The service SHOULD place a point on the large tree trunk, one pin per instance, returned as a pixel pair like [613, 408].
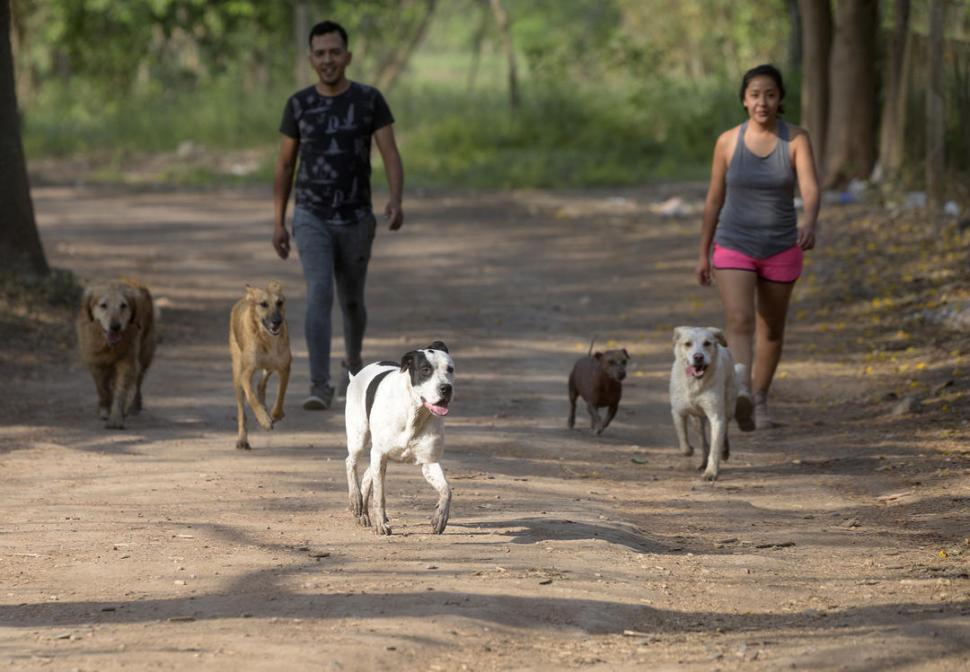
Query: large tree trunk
[20, 250]
[892, 129]
[850, 136]
[505, 32]
[816, 44]
[795, 39]
[935, 187]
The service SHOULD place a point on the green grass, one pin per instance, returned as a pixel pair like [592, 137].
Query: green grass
[573, 135]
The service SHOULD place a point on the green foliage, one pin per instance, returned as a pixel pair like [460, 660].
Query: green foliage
[560, 138]
[614, 91]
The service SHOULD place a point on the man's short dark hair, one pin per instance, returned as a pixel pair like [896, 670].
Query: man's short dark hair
[325, 27]
[764, 70]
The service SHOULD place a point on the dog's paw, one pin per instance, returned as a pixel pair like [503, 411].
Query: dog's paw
[356, 505]
[382, 529]
[103, 412]
[363, 520]
[710, 474]
[687, 450]
[262, 417]
[243, 444]
[115, 422]
[277, 415]
[438, 522]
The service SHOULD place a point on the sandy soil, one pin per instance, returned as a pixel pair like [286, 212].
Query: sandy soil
[839, 541]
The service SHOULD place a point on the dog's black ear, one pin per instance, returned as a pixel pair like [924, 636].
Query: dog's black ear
[438, 345]
[719, 335]
[625, 353]
[407, 361]
[597, 355]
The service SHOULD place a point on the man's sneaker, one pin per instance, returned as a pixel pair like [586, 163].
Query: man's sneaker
[744, 410]
[320, 399]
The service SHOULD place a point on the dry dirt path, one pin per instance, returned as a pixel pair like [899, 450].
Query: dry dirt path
[162, 547]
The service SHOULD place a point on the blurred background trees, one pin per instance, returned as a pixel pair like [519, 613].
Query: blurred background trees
[504, 92]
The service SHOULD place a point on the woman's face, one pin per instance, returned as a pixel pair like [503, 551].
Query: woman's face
[762, 99]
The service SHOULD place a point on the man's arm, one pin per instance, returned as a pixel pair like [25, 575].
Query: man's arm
[282, 184]
[394, 170]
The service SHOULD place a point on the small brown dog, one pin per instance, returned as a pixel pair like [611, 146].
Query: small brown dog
[258, 339]
[597, 378]
[116, 338]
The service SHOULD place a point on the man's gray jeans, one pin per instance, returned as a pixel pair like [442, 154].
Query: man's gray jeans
[333, 253]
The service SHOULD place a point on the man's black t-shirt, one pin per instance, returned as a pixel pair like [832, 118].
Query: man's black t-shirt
[333, 180]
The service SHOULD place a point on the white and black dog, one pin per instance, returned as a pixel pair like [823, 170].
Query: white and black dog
[397, 410]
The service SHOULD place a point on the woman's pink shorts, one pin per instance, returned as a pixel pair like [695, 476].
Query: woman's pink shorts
[782, 267]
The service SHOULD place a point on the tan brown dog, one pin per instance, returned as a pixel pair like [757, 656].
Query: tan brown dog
[258, 339]
[116, 337]
[597, 378]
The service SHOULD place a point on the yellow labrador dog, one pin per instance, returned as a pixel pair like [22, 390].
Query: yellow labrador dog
[116, 337]
[259, 340]
[704, 384]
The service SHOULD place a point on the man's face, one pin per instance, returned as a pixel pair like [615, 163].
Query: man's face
[329, 57]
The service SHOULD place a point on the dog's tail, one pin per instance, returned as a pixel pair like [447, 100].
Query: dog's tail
[590, 352]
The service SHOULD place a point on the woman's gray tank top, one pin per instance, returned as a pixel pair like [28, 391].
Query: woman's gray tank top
[758, 217]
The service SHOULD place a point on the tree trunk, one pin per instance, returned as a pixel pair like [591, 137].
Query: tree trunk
[935, 187]
[21, 252]
[399, 58]
[849, 136]
[816, 44]
[896, 149]
[301, 35]
[795, 39]
[892, 127]
[502, 21]
[478, 40]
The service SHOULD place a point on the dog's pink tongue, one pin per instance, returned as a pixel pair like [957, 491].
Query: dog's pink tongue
[693, 372]
[437, 410]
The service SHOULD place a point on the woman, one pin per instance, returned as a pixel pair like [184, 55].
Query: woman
[750, 217]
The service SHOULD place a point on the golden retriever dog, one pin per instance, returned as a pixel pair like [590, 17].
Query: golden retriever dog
[258, 339]
[116, 337]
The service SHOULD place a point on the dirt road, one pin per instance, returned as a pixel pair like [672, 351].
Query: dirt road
[836, 542]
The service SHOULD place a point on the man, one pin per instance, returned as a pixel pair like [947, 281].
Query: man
[329, 126]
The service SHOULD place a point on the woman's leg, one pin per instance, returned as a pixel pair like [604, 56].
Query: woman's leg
[773, 300]
[737, 290]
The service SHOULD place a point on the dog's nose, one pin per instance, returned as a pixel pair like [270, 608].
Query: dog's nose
[445, 390]
[698, 357]
[115, 326]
